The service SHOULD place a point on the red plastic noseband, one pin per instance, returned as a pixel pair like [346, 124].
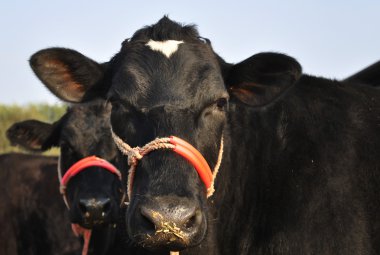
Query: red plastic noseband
[80, 166]
[194, 157]
[84, 164]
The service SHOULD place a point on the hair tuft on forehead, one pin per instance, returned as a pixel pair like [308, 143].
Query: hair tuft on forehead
[166, 29]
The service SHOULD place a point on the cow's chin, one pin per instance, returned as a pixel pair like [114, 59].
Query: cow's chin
[101, 239]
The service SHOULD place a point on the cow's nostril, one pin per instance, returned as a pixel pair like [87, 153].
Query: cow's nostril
[147, 222]
[194, 220]
[82, 207]
[107, 206]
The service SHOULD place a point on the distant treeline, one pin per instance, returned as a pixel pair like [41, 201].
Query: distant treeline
[10, 114]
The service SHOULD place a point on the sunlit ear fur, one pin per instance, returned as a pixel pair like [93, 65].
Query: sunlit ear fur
[262, 78]
[34, 135]
[66, 73]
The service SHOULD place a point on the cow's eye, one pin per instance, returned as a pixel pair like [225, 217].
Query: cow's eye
[221, 103]
[119, 106]
[115, 105]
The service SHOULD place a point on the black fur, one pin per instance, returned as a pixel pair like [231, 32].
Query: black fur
[31, 221]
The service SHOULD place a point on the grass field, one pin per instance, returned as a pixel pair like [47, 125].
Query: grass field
[10, 114]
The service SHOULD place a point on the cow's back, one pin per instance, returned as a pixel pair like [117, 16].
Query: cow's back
[33, 216]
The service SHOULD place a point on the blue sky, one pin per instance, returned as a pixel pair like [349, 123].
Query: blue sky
[331, 38]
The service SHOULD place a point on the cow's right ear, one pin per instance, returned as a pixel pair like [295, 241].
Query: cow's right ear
[66, 73]
[368, 76]
[34, 135]
[262, 78]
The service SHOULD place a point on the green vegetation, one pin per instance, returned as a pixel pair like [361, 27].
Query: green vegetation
[10, 114]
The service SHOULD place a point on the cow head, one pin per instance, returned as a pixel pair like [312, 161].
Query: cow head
[165, 81]
[93, 195]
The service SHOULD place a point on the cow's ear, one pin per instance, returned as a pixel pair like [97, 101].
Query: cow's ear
[66, 73]
[369, 75]
[34, 135]
[262, 78]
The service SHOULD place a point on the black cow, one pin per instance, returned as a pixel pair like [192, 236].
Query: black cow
[94, 194]
[301, 153]
[31, 221]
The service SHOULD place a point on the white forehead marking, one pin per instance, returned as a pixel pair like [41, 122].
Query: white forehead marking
[165, 47]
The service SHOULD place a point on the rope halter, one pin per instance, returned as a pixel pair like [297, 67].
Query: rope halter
[181, 147]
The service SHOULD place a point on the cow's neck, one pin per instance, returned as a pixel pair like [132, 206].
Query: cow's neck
[242, 185]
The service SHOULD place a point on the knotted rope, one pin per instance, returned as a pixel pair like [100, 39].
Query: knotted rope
[137, 153]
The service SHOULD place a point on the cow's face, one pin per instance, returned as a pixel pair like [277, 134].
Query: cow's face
[93, 195]
[159, 89]
[166, 81]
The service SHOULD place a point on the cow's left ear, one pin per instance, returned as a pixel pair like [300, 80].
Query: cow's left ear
[66, 73]
[34, 135]
[262, 78]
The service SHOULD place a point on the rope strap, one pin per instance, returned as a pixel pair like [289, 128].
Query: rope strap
[179, 146]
